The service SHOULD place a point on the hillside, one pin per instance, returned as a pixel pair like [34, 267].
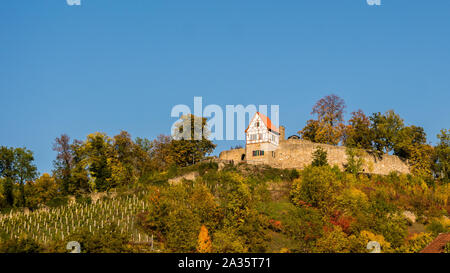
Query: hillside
[243, 208]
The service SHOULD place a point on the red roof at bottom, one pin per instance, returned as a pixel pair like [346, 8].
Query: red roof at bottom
[438, 244]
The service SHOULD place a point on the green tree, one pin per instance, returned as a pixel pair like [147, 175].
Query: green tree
[442, 156]
[93, 161]
[98, 149]
[8, 187]
[16, 165]
[410, 143]
[385, 128]
[25, 169]
[190, 142]
[407, 139]
[354, 161]
[319, 157]
[7, 171]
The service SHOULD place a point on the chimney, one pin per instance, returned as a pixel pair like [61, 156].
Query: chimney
[282, 133]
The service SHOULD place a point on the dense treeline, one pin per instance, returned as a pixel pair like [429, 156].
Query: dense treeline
[379, 133]
[99, 163]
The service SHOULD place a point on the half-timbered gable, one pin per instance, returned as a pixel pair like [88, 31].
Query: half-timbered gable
[262, 130]
[262, 137]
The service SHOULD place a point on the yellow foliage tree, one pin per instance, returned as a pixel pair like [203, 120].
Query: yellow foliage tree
[368, 236]
[416, 243]
[204, 241]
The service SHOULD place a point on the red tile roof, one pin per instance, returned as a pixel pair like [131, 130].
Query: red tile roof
[266, 121]
[438, 244]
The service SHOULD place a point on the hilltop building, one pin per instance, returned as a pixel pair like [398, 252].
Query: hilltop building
[266, 144]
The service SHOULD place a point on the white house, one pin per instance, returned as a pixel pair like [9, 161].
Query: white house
[262, 136]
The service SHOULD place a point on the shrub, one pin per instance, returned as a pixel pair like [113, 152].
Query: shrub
[227, 241]
[318, 186]
[333, 241]
[352, 200]
[416, 243]
[19, 245]
[447, 248]
[354, 162]
[438, 226]
[84, 199]
[108, 240]
[58, 202]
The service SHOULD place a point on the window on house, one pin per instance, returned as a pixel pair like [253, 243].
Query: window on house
[258, 153]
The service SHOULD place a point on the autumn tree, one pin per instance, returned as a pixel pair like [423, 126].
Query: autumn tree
[407, 139]
[172, 219]
[92, 164]
[309, 132]
[421, 160]
[328, 127]
[41, 190]
[411, 143]
[158, 151]
[79, 183]
[317, 186]
[204, 242]
[63, 163]
[130, 160]
[124, 159]
[358, 133]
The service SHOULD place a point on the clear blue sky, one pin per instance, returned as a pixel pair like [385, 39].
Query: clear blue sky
[111, 65]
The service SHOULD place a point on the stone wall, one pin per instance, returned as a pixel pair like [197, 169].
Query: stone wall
[234, 155]
[297, 154]
[189, 176]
